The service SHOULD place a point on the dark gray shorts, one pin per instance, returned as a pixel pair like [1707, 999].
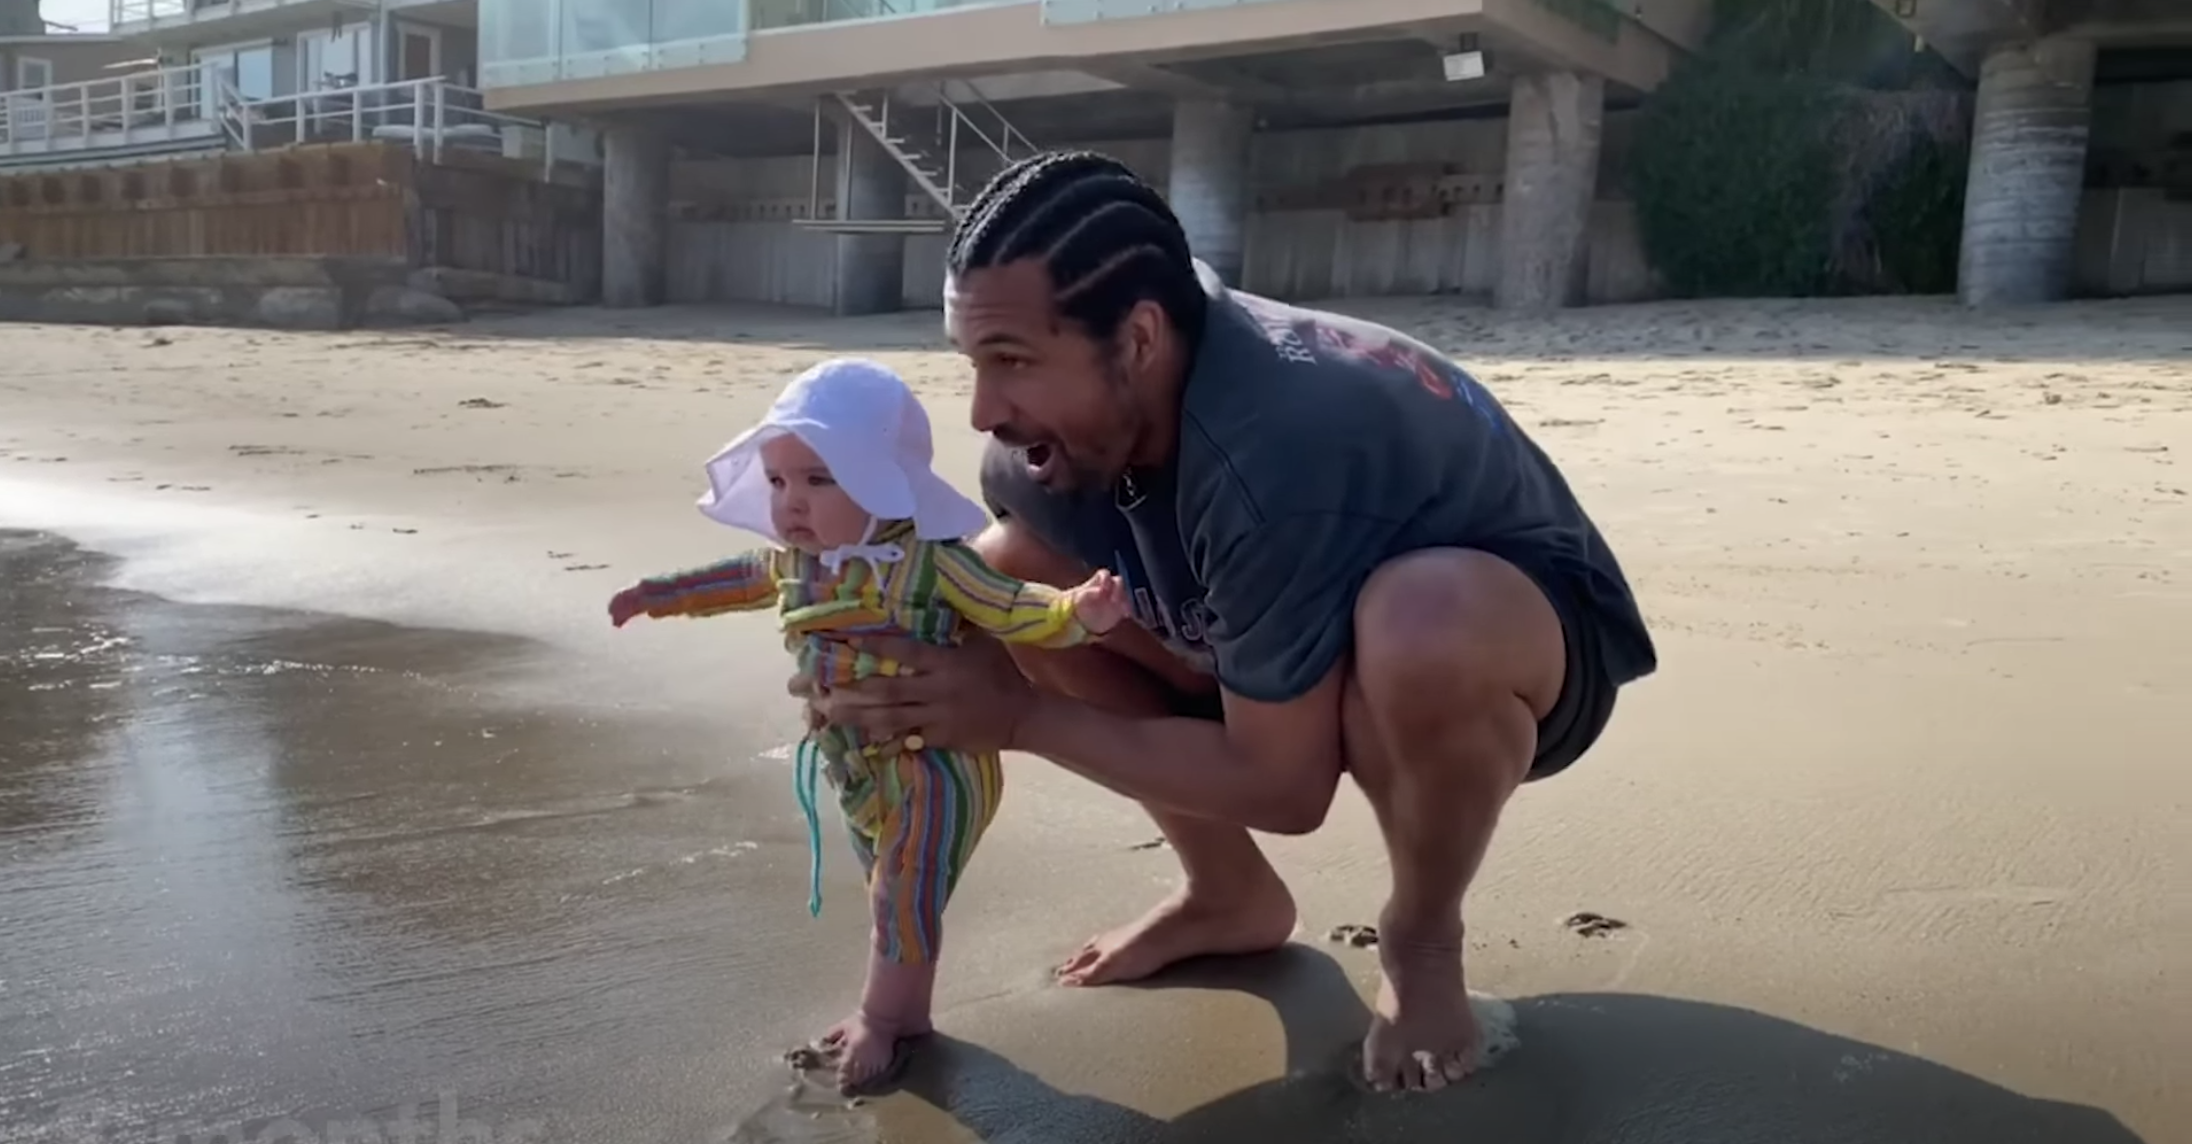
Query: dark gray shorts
[1586, 703]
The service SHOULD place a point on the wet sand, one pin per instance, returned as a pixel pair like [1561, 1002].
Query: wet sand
[1896, 834]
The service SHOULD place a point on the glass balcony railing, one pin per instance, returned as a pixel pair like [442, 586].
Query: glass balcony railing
[528, 41]
[544, 41]
[796, 13]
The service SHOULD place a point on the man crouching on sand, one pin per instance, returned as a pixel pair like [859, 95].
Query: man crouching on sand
[1344, 556]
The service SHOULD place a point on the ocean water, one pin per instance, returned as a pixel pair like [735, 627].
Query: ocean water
[271, 875]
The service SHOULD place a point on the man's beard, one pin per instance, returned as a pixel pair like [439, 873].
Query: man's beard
[1104, 470]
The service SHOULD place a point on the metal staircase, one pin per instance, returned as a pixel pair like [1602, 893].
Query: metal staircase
[931, 153]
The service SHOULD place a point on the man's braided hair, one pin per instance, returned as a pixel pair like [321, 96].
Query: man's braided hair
[1108, 239]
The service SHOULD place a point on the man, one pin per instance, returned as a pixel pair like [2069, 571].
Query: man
[1344, 556]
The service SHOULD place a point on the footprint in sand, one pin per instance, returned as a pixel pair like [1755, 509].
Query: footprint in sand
[1588, 924]
[1357, 936]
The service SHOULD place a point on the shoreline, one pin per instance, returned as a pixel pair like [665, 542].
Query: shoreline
[1901, 794]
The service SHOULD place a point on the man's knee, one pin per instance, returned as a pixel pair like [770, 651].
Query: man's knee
[1442, 632]
[1010, 548]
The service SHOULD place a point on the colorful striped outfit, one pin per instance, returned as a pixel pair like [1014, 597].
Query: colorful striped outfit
[914, 815]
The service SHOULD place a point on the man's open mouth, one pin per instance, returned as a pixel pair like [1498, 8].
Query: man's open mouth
[1038, 458]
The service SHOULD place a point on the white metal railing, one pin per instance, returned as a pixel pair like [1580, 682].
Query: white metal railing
[140, 107]
[120, 12]
[431, 115]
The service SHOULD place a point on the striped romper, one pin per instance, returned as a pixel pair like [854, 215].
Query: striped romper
[914, 815]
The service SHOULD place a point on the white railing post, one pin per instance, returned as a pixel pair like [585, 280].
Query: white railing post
[418, 122]
[129, 104]
[814, 172]
[167, 102]
[441, 116]
[357, 117]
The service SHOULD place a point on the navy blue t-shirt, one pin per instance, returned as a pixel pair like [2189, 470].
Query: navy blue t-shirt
[1314, 447]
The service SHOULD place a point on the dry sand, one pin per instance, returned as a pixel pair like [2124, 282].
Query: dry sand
[1897, 831]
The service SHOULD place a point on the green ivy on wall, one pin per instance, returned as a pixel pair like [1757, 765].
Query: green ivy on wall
[1808, 149]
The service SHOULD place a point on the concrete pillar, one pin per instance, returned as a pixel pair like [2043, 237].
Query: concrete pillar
[635, 215]
[1211, 143]
[2027, 172]
[1553, 126]
[871, 268]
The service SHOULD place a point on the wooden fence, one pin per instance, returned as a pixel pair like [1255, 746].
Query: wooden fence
[468, 212]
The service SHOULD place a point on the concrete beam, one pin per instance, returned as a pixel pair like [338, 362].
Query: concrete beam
[1637, 58]
[1962, 30]
[1153, 77]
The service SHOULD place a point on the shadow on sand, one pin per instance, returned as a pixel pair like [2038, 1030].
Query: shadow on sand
[1601, 1068]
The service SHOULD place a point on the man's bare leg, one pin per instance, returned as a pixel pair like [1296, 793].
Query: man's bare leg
[1231, 900]
[1458, 655]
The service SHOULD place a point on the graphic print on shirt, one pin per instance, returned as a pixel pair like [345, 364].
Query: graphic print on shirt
[1168, 600]
[1309, 339]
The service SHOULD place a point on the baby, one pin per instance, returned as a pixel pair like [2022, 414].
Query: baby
[838, 475]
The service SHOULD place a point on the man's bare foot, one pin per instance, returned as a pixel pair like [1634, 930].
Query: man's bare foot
[1423, 1035]
[1190, 923]
[866, 1050]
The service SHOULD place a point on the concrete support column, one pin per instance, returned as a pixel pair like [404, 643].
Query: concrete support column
[871, 268]
[635, 215]
[2027, 172]
[1554, 121]
[1211, 145]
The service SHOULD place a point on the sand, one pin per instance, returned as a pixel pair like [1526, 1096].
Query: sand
[1896, 834]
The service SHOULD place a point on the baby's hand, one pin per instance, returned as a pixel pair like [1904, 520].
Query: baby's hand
[626, 604]
[1100, 602]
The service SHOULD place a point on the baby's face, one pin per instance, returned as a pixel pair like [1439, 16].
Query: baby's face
[810, 512]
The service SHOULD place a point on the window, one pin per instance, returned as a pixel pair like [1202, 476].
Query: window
[335, 59]
[31, 73]
[418, 54]
[249, 68]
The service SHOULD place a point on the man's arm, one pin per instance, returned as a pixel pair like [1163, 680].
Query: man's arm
[1281, 597]
[1269, 766]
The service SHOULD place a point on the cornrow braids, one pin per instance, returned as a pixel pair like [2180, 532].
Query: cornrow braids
[1108, 239]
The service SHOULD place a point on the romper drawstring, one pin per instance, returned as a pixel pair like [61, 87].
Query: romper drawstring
[806, 768]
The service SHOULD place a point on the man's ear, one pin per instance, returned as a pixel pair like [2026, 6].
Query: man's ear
[1144, 331]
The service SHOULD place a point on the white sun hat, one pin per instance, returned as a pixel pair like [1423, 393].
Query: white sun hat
[863, 421]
